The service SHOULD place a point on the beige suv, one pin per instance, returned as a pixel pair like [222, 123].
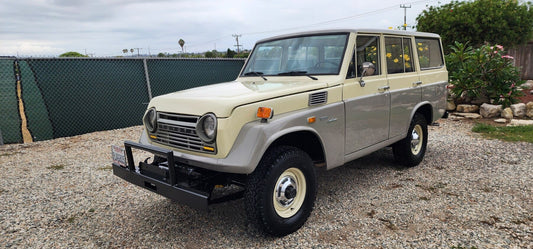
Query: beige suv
[301, 101]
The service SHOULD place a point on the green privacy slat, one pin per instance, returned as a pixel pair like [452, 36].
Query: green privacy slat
[9, 117]
[66, 97]
[173, 75]
[39, 123]
[91, 95]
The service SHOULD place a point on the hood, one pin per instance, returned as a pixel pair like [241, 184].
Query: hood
[222, 98]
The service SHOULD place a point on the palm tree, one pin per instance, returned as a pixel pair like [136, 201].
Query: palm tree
[181, 42]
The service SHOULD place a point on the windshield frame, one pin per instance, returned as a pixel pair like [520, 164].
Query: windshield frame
[287, 50]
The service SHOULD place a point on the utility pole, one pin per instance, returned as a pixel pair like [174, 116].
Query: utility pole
[404, 6]
[138, 51]
[237, 39]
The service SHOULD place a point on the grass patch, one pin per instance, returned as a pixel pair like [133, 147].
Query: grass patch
[506, 133]
[71, 219]
[57, 167]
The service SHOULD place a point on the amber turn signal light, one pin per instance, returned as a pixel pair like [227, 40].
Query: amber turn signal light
[265, 112]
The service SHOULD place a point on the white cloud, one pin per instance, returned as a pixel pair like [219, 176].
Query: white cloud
[105, 27]
[28, 48]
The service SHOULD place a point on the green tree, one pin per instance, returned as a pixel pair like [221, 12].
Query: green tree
[230, 53]
[505, 22]
[211, 54]
[181, 42]
[72, 54]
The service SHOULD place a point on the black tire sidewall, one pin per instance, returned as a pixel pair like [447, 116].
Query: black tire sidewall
[279, 160]
[402, 149]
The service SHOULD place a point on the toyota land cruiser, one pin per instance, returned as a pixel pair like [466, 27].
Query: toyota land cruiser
[301, 101]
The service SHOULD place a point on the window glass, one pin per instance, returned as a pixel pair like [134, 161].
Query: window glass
[429, 53]
[269, 59]
[312, 54]
[398, 55]
[367, 51]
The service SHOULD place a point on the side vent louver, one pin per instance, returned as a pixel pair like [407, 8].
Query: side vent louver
[318, 98]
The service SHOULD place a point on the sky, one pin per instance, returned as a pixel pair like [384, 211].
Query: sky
[103, 28]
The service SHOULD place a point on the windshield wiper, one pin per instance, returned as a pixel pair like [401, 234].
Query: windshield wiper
[296, 73]
[260, 74]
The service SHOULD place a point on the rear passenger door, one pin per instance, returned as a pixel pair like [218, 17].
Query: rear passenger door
[433, 73]
[404, 82]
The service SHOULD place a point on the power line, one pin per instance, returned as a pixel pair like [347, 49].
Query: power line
[319, 23]
[341, 19]
[236, 36]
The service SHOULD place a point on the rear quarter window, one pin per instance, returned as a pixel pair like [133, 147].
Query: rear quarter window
[429, 53]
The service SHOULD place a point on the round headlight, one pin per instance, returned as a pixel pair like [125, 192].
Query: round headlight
[150, 120]
[207, 127]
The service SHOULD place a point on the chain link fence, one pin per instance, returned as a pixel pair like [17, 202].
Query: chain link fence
[10, 121]
[69, 96]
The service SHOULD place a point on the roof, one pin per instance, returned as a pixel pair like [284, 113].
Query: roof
[336, 31]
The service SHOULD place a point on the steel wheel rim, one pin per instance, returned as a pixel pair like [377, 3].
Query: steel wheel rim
[289, 192]
[417, 137]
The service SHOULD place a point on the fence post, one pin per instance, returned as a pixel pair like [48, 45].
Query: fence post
[147, 79]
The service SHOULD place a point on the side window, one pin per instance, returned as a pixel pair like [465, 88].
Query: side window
[399, 55]
[429, 53]
[366, 50]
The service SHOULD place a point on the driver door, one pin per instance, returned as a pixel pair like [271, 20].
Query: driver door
[367, 105]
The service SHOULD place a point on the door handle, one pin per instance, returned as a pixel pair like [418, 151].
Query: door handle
[383, 88]
[417, 83]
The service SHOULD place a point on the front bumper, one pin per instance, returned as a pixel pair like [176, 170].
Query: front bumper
[166, 181]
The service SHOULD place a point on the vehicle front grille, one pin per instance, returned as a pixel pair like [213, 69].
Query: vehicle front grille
[179, 131]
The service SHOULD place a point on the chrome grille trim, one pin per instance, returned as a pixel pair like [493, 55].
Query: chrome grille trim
[179, 131]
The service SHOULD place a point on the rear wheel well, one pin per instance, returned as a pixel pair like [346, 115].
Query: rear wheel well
[306, 141]
[427, 112]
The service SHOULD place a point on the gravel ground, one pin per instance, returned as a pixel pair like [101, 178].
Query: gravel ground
[468, 192]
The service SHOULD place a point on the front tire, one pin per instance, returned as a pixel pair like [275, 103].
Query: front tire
[281, 192]
[410, 151]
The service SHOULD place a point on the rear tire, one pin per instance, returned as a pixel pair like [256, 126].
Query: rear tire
[410, 151]
[280, 193]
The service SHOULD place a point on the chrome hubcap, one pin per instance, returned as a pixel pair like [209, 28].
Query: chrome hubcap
[286, 191]
[289, 192]
[416, 137]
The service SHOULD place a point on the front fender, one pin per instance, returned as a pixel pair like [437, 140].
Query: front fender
[256, 137]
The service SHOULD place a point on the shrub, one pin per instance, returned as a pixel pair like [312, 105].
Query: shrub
[506, 22]
[485, 72]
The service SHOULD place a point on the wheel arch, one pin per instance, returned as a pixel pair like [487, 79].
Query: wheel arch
[426, 110]
[304, 139]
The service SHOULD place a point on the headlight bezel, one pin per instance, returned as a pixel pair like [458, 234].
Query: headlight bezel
[150, 120]
[208, 136]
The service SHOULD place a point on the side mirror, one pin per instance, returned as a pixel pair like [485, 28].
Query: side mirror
[368, 69]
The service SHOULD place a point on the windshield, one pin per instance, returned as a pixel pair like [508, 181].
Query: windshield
[305, 55]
